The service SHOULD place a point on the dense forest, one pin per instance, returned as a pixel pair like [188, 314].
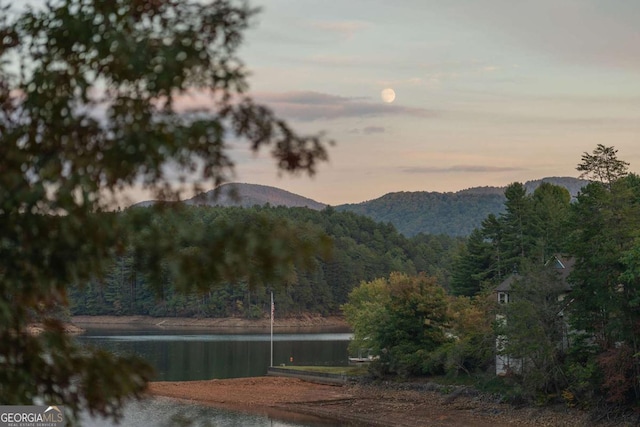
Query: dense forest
[355, 248]
[568, 336]
[425, 304]
[453, 214]
[412, 213]
[83, 118]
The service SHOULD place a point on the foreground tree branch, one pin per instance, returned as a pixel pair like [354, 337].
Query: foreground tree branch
[92, 101]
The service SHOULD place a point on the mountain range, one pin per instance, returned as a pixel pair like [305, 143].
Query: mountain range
[411, 212]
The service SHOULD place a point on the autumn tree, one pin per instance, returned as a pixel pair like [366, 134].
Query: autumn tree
[90, 104]
[401, 319]
[472, 347]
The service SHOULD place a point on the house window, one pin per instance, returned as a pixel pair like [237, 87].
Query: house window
[503, 297]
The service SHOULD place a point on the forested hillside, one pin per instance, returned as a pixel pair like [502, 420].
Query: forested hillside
[453, 214]
[359, 249]
[546, 293]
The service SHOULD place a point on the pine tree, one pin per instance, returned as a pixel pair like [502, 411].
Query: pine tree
[606, 220]
[603, 165]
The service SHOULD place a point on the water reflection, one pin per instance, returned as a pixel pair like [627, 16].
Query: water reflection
[191, 356]
[159, 412]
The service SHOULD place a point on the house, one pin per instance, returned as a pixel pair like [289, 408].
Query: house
[504, 295]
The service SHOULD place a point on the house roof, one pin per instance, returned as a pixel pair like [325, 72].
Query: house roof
[563, 265]
[506, 284]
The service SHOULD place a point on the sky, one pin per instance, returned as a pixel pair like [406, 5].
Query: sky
[487, 92]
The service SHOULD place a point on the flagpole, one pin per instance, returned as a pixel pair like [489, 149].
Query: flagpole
[272, 310]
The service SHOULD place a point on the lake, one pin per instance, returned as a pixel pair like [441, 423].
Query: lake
[161, 412]
[196, 355]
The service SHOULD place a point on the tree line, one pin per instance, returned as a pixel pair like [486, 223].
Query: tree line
[349, 247]
[575, 338]
[84, 117]
[455, 214]
[90, 106]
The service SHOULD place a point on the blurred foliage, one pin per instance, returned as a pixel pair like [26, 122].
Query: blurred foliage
[91, 103]
[149, 280]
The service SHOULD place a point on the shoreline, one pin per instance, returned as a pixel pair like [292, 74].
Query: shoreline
[357, 403]
[221, 323]
[391, 404]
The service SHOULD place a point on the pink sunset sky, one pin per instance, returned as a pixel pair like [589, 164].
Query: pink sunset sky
[487, 92]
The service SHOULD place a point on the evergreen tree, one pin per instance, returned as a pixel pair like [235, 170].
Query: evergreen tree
[493, 231]
[603, 165]
[535, 330]
[514, 222]
[549, 227]
[472, 266]
[606, 222]
[533, 227]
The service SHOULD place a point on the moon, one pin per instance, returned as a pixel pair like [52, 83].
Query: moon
[388, 95]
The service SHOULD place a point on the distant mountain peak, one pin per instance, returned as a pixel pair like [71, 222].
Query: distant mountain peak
[411, 212]
[248, 195]
[573, 185]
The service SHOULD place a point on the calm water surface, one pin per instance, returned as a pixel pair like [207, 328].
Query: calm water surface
[160, 412]
[189, 355]
[194, 355]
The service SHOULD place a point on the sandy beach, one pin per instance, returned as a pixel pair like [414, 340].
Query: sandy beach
[365, 405]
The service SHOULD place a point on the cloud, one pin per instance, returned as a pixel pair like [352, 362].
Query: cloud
[311, 106]
[343, 61]
[490, 68]
[343, 28]
[461, 169]
[412, 81]
[373, 129]
[369, 130]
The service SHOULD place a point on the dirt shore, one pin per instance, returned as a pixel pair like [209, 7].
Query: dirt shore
[354, 404]
[290, 323]
[69, 328]
[365, 405]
